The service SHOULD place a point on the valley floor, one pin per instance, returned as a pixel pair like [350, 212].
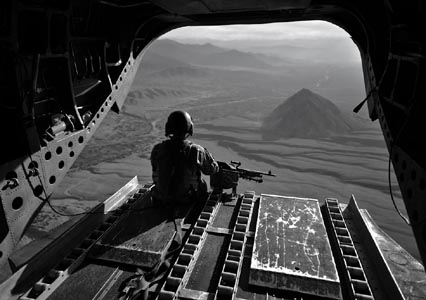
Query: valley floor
[335, 167]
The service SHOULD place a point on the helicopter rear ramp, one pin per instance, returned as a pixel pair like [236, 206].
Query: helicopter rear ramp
[239, 247]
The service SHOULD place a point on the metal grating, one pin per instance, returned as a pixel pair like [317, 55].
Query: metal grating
[208, 267]
[351, 268]
[228, 282]
[180, 271]
[56, 276]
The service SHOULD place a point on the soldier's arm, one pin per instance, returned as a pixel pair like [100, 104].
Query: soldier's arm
[206, 162]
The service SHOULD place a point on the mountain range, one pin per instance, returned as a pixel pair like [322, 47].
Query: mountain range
[324, 49]
[210, 55]
[172, 69]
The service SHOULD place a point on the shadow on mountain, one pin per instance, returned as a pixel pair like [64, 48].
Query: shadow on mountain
[307, 115]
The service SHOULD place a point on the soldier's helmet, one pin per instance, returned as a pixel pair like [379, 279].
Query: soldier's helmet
[179, 124]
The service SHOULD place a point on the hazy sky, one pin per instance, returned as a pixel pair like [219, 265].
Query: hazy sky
[274, 31]
[316, 39]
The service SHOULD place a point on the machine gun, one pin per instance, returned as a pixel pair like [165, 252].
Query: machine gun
[248, 174]
[228, 176]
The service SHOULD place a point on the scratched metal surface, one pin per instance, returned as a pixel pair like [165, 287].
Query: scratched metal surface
[138, 239]
[406, 270]
[87, 280]
[291, 249]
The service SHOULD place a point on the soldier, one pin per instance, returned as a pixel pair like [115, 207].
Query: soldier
[177, 164]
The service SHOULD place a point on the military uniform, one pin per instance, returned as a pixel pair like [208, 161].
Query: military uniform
[176, 171]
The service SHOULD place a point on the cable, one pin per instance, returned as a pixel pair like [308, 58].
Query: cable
[47, 199]
[130, 5]
[95, 212]
[356, 110]
[390, 189]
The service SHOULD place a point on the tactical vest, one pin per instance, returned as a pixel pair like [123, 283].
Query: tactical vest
[177, 176]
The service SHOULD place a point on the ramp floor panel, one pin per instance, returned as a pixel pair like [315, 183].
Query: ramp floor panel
[225, 217]
[84, 283]
[206, 272]
[140, 238]
[291, 249]
[250, 292]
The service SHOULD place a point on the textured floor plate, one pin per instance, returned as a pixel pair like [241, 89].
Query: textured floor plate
[291, 249]
[138, 239]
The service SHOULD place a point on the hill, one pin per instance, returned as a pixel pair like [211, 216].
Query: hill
[153, 61]
[189, 54]
[211, 55]
[172, 70]
[235, 58]
[306, 115]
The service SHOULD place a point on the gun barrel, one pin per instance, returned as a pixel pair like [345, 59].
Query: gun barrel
[247, 173]
[257, 173]
[270, 174]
